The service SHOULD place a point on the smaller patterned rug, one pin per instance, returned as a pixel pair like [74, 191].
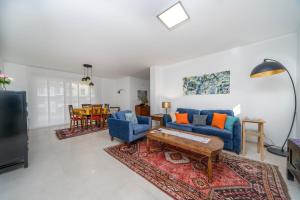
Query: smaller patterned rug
[68, 133]
[185, 178]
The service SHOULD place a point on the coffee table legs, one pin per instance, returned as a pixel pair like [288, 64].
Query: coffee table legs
[209, 169]
[148, 145]
[217, 158]
[209, 162]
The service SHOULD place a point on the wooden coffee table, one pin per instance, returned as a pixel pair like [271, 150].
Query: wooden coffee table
[211, 149]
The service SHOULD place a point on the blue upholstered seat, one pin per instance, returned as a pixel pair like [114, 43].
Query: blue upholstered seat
[184, 127]
[209, 130]
[140, 128]
[125, 130]
[121, 115]
[232, 140]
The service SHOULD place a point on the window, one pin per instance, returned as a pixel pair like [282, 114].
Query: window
[56, 102]
[84, 94]
[39, 107]
[50, 99]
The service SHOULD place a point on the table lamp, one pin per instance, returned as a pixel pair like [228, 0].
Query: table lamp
[270, 67]
[166, 105]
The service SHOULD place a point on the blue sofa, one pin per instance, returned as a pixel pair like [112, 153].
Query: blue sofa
[125, 130]
[232, 140]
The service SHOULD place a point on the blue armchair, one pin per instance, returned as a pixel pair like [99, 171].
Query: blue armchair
[125, 130]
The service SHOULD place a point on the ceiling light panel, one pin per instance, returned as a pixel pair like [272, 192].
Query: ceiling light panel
[173, 16]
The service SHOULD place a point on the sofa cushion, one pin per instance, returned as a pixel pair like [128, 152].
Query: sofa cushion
[182, 118]
[230, 121]
[209, 130]
[190, 112]
[140, 128]
[121, 115]
[113, 115]
[131, 117]
[219, 120]
[184, 127]
[173, 116]
[210, 113]
[199, 120]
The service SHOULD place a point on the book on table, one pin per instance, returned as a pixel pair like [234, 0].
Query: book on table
[182, 135]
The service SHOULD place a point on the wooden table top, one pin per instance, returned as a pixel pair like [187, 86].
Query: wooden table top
[88, 111]
[254, 120]
[157, 115]
[213, 146]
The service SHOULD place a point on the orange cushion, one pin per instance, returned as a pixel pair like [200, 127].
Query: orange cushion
[219, 120]
[182, 118]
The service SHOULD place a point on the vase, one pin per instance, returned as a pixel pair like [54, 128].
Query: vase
[2, 87]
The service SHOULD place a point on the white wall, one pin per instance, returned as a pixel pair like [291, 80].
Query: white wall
[298, 88]
[156, 89]
[127, 99]
[135, 85]
[123, 99]
[106, 89]
[23, 76]
[20, 75]
[269, 98]
[1, 64]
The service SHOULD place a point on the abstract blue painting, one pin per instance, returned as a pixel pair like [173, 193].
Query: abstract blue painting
[215, 83]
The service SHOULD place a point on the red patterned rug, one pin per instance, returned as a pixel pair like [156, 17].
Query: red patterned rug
[68, 133]
[185, 178]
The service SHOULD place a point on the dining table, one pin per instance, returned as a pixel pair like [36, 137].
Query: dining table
[86, 113]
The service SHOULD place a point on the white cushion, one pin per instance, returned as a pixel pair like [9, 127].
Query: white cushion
[173, 116]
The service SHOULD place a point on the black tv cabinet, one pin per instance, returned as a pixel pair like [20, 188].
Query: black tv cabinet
[13, 130]
[293, 160]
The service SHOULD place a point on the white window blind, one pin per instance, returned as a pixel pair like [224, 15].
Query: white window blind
[50, 99]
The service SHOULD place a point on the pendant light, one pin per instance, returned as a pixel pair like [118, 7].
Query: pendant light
[83, 80]
[87, 78]
[91, 84]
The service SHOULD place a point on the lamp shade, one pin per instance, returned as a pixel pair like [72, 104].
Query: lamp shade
[267, 68]
[166, 104]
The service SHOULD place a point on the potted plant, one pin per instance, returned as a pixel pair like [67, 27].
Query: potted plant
[142, 97]
[4, 81]
[144, 100]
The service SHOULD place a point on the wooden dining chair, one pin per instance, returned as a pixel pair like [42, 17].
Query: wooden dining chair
[87, 119]
[106, 114]
[96, 115]
[114, 109]
[74, 119]
[86, 105]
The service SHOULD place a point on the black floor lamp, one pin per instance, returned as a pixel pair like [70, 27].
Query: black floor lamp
[267, 68]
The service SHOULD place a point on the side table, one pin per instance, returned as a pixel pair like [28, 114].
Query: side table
[259, 133]
[158, 117]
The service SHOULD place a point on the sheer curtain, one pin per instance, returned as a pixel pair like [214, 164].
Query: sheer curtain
[50, 97]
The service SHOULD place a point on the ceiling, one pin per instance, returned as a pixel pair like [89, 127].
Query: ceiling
[124, 37]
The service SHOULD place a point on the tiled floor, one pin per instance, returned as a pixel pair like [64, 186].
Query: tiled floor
[78, 168]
